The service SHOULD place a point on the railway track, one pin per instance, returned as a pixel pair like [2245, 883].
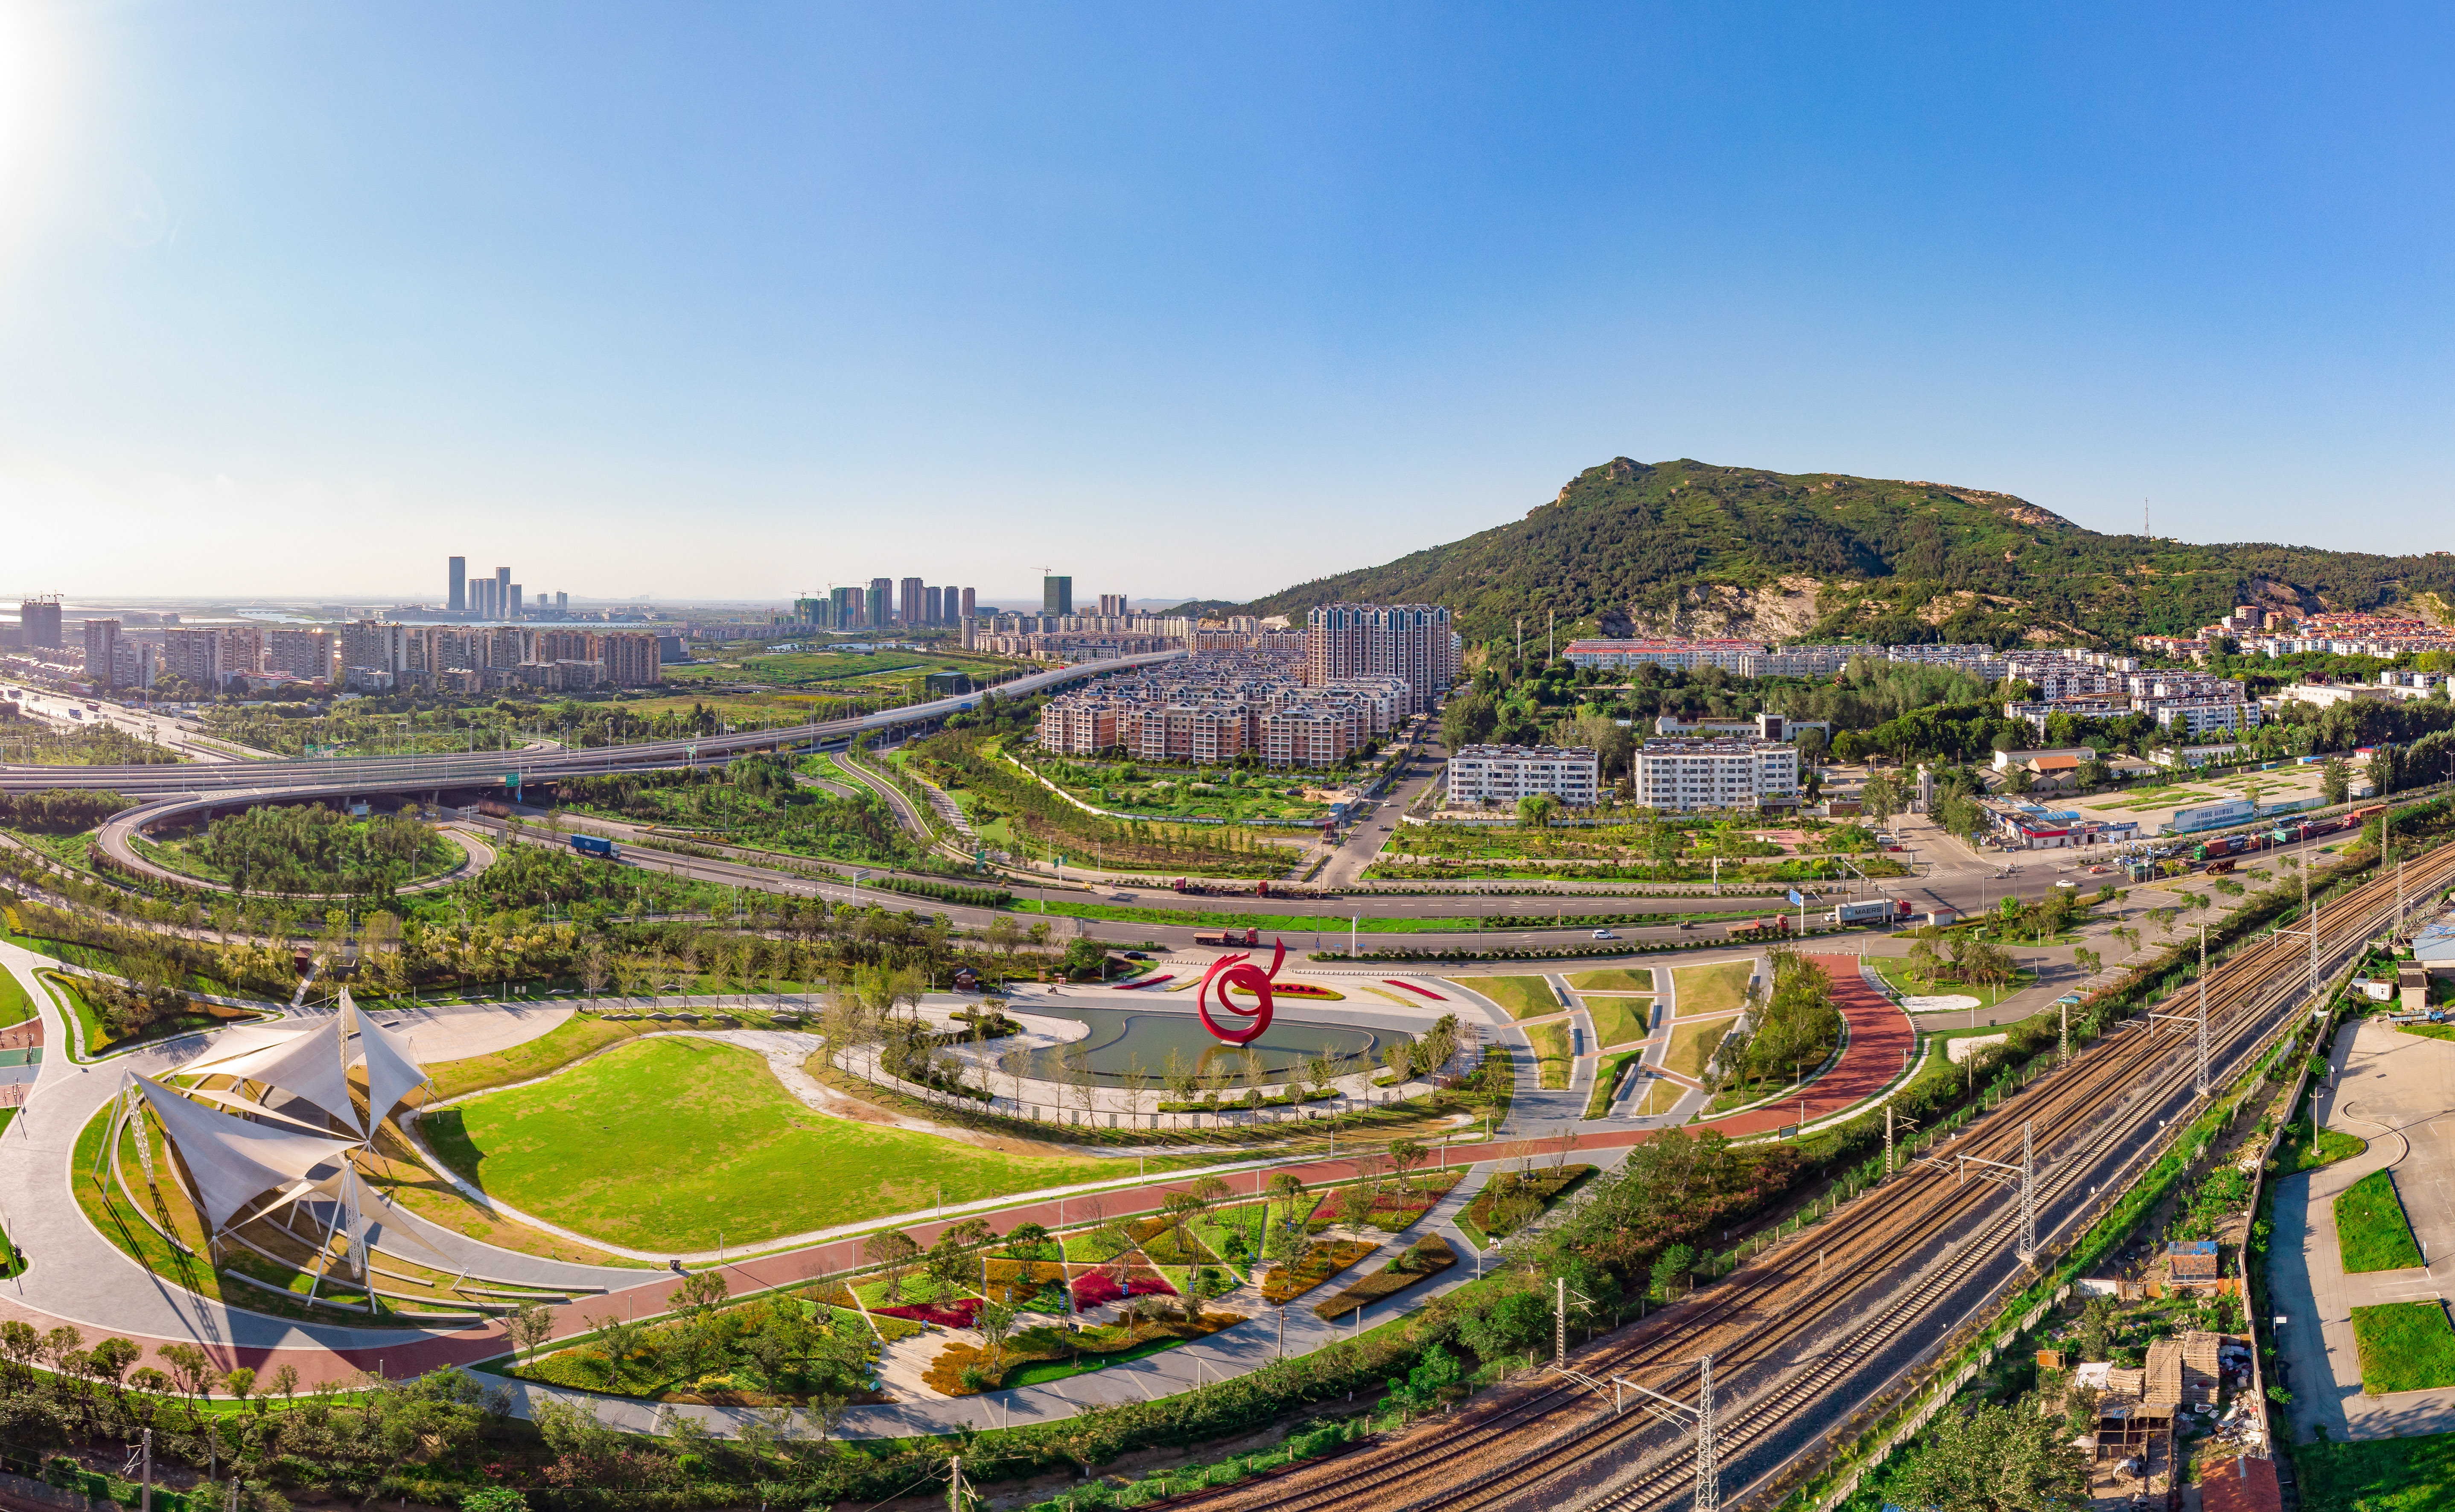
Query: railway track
[1861, 1294]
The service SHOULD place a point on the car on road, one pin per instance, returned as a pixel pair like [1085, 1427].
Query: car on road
[2099, 871]
[1135, 954]
[1605, 934]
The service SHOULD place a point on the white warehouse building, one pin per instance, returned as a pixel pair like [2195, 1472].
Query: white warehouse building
[1730, 774]
[1504, 774]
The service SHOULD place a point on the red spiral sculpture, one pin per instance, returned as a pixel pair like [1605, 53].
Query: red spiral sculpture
[1239, 971]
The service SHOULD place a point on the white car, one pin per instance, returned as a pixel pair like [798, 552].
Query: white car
[1605, 934]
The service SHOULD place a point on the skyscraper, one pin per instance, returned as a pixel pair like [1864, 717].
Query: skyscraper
[1112, 606]
[561, 605]
[514, 612]
[880, 609]
[1057, 595]
[1412, 641]
[460, 568]
[40, 622]
[848, 605]
[911, 613]
[502, 591]
[934, 605]
[968, 605]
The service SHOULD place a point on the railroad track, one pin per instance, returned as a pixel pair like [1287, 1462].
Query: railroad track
[1797, 1325]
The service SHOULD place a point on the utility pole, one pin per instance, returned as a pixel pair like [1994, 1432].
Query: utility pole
[2064, 1056]
[1888, 1138]
[1709, 1479]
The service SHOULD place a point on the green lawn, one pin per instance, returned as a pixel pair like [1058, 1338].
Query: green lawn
[2300, 1152]
[2430, 1031]
[1553, 1066]
[1617, 979]
[1712, 989]
[15, 1006]
[1692, 1044]
[2371, 1232]
[1619, 1021]
[1524, 996]
[667, 1143]
[2378, 1475]
[1607, 1082]
[2406, 1346]
[565, 1042]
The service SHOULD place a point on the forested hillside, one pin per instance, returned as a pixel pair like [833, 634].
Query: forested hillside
[1647, 547]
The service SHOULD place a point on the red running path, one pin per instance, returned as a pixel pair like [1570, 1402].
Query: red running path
[1882, 1036]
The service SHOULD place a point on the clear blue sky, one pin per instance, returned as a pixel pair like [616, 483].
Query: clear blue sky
[736, 300]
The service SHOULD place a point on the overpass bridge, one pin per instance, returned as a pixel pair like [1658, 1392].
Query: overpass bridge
[345, 777]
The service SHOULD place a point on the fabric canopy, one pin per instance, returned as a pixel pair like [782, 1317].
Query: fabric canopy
[311, 1069]
[233, 1161]
[393, 1073]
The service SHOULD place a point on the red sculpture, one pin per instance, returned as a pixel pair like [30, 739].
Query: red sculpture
[1239, 971]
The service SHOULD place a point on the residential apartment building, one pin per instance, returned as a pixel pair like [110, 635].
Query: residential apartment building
[629, 659]
[306, 654]
[1307, 736]
[38, 625]
[1619, 655]
[1683, 775]
[100, 636]
[1411, 642]
[1503, 774]
[135, 663]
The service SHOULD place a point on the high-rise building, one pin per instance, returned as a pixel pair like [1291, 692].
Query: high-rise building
[1411, 641]
[880, 609]
[629, 659]
[911, 605]
[934, 605]
[39, 623]
[100, 636]
[459, 571]
[968, 605]
[1057, 595]
[1112, 606]
[502, 591]
[300, 652]
[848, 605]
[198, 656]
[561, 605]
[514, 612]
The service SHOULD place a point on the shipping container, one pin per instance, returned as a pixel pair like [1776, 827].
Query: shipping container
[595, 845]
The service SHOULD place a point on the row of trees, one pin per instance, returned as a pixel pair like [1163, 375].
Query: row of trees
[1790, 1024]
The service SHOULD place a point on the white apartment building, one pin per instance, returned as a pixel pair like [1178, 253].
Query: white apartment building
[1730, 774]
[1504, 774]
[2194, 716]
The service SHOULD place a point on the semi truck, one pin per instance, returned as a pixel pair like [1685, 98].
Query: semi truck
[595, 845]
[1873, 911]
[1247, 937]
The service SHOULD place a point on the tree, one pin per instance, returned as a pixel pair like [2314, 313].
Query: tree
[1670, 1265]
[892, 1252]
[1404, 1156]
[996, 1321]
[1994, 1459]
[2335, 779]
[1536, 809]
[530, 1325]
[1882, 798]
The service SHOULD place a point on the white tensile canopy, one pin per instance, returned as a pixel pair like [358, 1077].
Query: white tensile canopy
[253, 1151]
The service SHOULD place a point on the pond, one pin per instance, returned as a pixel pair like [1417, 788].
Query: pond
[1126, 1039]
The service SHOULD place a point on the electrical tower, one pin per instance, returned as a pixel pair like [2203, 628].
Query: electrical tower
[1698, 1415]
[2021, 1178]
[2201, 1082]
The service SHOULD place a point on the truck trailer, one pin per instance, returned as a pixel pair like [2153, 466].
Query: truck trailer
[595, 845]
[1873, 911]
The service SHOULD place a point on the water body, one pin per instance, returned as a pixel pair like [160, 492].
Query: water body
[1124, 1038]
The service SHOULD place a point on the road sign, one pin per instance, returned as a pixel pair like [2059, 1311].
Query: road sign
[511, 779]
[1795, 898]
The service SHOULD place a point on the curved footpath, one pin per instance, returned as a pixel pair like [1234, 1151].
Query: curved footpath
[75, 1276]
[120, 829]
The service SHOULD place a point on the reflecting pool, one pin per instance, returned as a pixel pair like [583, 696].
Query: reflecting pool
[1126, 1039]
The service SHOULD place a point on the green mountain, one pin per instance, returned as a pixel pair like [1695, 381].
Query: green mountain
[1641, 548]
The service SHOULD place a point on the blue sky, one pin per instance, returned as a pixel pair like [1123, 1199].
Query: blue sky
[740, 301]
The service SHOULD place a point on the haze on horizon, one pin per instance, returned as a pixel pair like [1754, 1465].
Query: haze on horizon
[298, 300]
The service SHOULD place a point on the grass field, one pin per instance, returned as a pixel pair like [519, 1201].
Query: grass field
[2378, 1475]
[1692, 1044]
[2430, 1031]
[2406, 1346]
[671, 1143]
[565, 1042]
[1712, 989]
[16, 1006]
[1616, 978]
[1524, 996]
[1553, 1066]
[2371, 1231]
[1659, 1095]
[2300, 1152]
[1619, 1021]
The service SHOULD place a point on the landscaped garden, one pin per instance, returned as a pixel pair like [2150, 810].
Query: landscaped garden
[1722, 988]
[780, 1348]
[1423, 1260]
[1620, 1021]
[1524, 996]
[1512, 1199]
[2371, 1231]
[307, 848]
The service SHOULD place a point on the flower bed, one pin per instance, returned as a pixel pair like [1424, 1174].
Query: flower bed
[1428, 1256]
[946, 1315]
[1099, 1288]
[1047, 1353]
[1016, 1283]
[1323, 1262]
